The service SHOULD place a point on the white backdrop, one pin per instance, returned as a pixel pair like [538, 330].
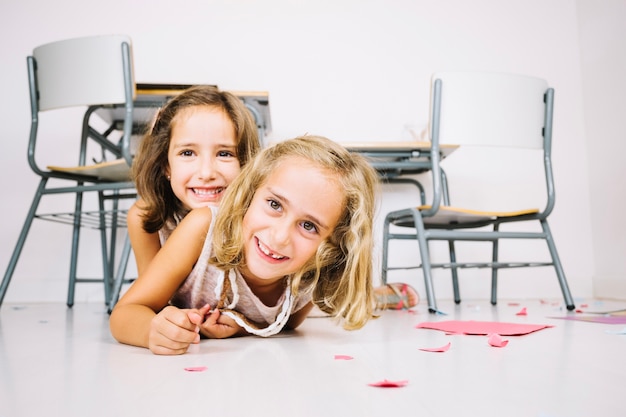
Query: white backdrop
[352, 70]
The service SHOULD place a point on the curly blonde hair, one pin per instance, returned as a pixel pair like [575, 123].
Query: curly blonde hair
[340, 273]
[151, 162]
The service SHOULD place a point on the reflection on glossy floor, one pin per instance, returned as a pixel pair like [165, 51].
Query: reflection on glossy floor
[56, 361]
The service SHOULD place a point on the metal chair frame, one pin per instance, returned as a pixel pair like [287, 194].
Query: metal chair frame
[58, 77]
[426, 219]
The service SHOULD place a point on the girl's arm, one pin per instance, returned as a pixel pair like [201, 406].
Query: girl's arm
[145, 245]
[142, 317]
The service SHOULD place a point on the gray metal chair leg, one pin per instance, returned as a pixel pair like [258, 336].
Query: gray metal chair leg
[75, 245]
[385, 258]
[119, 276]
[108, 253]
[21, 239]
[494, 270]
[567, 296]
[425, 255]
[455, 273]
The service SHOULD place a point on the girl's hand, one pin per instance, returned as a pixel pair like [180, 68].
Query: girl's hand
[218, 326]
[172, 330]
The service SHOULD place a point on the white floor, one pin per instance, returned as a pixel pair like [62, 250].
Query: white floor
[56, 361]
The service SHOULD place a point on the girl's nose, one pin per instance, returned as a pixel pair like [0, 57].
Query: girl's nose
[280, 233]
[206, 170]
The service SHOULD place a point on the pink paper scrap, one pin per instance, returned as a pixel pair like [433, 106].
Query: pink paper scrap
[196, 368]
[343, 357]
[389, 384]
[496, 340]
[522, 312]
[443, 348]
[482, 327]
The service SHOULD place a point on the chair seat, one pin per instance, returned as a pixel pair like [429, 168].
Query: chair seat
[116, 170]
[459, 216]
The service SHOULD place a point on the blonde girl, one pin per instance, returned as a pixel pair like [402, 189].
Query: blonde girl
[294, 230]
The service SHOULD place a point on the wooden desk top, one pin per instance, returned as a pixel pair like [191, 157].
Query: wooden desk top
[150, 97]
[144, 89]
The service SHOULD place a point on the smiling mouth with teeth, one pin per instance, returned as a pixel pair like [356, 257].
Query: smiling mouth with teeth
[267, 251]
[204, 191]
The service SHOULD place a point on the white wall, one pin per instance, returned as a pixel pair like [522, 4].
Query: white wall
[602, 44]
[352, 70]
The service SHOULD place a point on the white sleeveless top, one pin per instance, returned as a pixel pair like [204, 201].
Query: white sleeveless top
[205, 285]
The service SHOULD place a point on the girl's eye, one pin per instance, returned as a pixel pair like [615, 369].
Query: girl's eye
[275, 205]
[309, 227]
[186, 153]
[225, 154]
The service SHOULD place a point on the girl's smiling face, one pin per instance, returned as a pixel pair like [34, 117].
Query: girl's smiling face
[202, 156]
[290, 215]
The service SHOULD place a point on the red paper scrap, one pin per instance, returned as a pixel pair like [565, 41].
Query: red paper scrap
[443, 348]
[343, 357]
[482, 327]
[513, 304]
[196, 368]
[522, 312]
[388, 384]
[496, 340]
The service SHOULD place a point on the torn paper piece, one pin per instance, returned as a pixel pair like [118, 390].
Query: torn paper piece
[522, 312]
[482, 327]
[388, 384]
[443, 348]
[196, 368]
[619, 312]
[343, 357]
[496, 340]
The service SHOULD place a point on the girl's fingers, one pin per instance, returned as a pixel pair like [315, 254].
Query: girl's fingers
[196, 316]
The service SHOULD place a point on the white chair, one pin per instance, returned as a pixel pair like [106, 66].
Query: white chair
[479, 111]
[91, 73]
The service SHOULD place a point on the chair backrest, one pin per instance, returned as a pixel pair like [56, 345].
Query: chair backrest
[503, 124]
[491, 109]
[84, 71]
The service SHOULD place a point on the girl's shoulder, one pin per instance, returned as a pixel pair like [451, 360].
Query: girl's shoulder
[198, 217]
[137, 209]
[136, 214]
[193, 228]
